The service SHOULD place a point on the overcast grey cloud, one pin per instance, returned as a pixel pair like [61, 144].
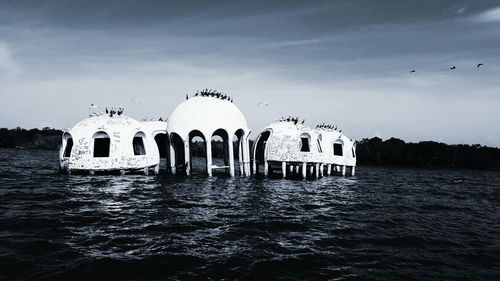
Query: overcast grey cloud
[345, 62]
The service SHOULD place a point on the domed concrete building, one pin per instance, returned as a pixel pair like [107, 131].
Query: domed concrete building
[292, 148]
[109, 144]
[204, 116]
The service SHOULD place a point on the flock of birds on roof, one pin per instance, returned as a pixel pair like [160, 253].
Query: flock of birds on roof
[212, 93]
[451, 68]
[294, 120]
[327, 126]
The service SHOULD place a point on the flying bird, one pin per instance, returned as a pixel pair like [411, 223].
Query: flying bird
[263, 103]
[479, 65]
[453, 67]
[412, 71]
[92, 106]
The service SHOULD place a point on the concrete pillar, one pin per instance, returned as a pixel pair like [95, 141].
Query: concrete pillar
[329, 169]
[317, 170]
[231, 156]
[291, 169]
[311, 170]
[240, 156]
[266, 168]
[304, 170]
[172, 160]
[246, 157]
[343, 170]
[321, 168]
[283, 168]
[297, 167]
[353, 169]
[187, 158]
[209, 157]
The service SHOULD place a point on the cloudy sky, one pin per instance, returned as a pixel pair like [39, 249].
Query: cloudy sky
[345, 62]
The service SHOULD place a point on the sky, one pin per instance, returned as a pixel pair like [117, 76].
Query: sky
[343, 62]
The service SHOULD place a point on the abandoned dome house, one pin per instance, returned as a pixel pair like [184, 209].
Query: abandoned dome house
[292, 149]
[206, 116]
[107, 143]
[117, 143]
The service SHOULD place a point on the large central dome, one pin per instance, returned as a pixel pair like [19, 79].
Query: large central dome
[206, 114]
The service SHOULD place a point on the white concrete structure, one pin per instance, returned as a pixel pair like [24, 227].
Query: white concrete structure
[205, 117]
[290, 148]
[110, 144]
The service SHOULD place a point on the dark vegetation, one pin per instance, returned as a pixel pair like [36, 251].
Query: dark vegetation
[428, 154]
[46, 138]
[374, 151]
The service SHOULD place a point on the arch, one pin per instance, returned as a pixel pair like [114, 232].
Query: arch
[260, 145]
[338, 147]
[318, 143]
[220, 147]
[102, 144]
[197, 150]
[305, 140]
[177, 144]
[162, 142]
[138, 144]
[68, 144]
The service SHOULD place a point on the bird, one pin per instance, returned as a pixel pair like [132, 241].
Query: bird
[187, 97]
[453, 67]
[92, 106]
[303, 121]
[412, 71]
[263, 103]
[479, 65]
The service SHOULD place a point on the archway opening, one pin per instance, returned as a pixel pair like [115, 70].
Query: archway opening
[68, 144]
[161, 140]
[260, 147]
[338, 148]
[178, 146]
[198, 152]
[220, 150]
[102, 144]
[138, 144]
[305, 140]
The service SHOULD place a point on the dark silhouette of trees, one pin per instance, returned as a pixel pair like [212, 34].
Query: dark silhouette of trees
[429, 154]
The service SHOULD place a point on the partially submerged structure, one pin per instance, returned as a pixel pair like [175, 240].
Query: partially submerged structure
[207, 116]
[294, 149]
[111, 143]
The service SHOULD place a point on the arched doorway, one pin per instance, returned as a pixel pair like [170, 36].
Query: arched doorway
[198, 152]
[102, 144]
[138, 144]
[220, 151]
[67, 144]
[163, 144]
[178, 164]
[338, 148]
[259, 153]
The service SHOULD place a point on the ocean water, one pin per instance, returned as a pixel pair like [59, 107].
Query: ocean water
[382, 224]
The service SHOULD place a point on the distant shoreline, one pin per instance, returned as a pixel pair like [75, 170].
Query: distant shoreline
[392, 152]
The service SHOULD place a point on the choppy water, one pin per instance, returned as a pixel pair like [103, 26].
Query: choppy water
[383, 224]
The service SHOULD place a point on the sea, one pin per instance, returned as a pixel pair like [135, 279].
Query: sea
[382, 224]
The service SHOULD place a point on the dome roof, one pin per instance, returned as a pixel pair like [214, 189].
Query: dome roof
[206, 114]
[104, 122]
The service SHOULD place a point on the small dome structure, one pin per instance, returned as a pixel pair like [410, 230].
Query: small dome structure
[105, 144]
[290, 147]
[205, 117]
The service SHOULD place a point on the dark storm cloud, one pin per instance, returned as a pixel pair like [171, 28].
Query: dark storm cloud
[344, 60]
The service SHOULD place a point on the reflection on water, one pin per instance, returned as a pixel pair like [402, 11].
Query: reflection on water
[382, 224]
